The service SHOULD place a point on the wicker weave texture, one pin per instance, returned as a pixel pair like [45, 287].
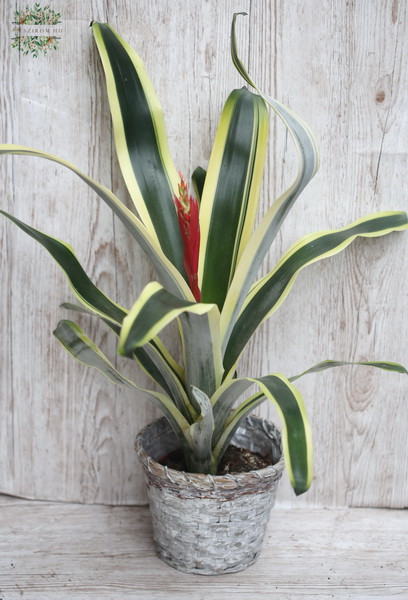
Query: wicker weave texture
[210, 524]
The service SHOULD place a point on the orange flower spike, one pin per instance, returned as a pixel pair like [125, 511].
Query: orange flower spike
[187, 212]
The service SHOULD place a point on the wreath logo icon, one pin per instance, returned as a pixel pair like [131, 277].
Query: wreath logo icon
[37, 30]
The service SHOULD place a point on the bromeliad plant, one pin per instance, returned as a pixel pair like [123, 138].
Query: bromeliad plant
[207, 254]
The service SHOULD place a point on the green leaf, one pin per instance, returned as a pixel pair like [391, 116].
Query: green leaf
[141, 141]
[156, 361]
[265, 233]
[198, 177]
[231, 191]
[82, 286]
[167, 273]
[201, 460]
[85, 351]
[223, 400]
[155, 309]
[328, 364]
[200, 334]
[269, 293]
[87, 311]
[96, 302]
[296, 433]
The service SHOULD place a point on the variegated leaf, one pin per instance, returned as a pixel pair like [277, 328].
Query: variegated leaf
[231, 191]
[141, 141]
[155, 309]
[85, 351]
[167, 273]
[296, 433]
[268, 294]
[265, 233]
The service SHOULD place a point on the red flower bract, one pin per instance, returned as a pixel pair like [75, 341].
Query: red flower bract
[187, 212]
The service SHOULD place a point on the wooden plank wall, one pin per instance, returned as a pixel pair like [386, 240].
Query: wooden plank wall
[64, 432]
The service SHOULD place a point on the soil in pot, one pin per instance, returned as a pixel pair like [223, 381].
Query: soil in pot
[235, 460]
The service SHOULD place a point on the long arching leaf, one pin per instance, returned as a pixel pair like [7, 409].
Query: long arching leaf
[329, 364]
[156, 361]
[85, 351]
[167, 273]
[296, 433]
[141, 141]
[269, 293]
[265, 233]
[150, 356]
[87, 292]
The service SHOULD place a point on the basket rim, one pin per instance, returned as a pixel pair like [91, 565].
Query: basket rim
[170, 476]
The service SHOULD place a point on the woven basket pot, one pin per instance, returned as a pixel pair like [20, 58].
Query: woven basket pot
[208, 524]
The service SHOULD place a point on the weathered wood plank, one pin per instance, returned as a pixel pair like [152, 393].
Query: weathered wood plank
[66, 435]
[60, 551]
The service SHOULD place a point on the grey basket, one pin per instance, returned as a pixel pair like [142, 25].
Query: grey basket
[208, 524]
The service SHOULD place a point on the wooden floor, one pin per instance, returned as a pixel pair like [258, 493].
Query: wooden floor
[51, 551]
